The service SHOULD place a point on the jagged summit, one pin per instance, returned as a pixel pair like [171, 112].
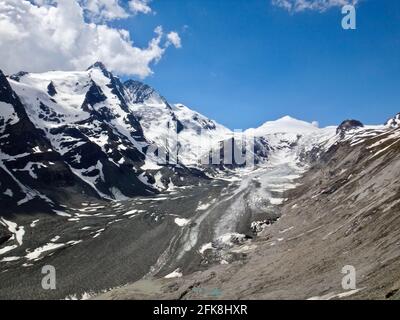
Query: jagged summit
[99, 65]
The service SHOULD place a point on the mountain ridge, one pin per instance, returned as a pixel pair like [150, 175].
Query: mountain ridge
[102, 129]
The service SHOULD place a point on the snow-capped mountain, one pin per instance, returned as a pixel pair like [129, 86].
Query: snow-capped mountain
[178, 129]
[285, 125]
[66, 136]
[286, 135]
[287, 131]
[86, 121]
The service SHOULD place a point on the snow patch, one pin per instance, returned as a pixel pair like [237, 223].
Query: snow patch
[334, 295]
[9, 259]
[9, 193]
[34, 223]
[175, 274]
[39, 251]
[8, 248]
[205, 247]
[182, 222]
[18, 231]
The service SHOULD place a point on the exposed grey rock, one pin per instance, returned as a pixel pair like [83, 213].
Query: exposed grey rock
[51, 90]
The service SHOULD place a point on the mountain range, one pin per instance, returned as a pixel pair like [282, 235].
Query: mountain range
[112, 171]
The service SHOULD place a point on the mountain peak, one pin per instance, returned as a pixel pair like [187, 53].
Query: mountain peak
[98, 65]
[287, 118]
[286, 124]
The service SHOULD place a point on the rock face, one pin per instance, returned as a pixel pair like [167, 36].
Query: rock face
[25, 154]
[5, 235]
[348, 125]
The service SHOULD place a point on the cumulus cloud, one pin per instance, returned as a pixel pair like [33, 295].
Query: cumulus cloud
[46, 35]
[316, 5]
[100, 10]
[174, 38]
[140, 6]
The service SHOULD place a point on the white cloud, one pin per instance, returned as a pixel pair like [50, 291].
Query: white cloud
[56, 35]
[174, 38]
[140, 6]
[104, 10]
[99, 10]
[316, 5]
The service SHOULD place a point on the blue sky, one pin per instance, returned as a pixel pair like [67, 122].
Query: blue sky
[245, 62]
